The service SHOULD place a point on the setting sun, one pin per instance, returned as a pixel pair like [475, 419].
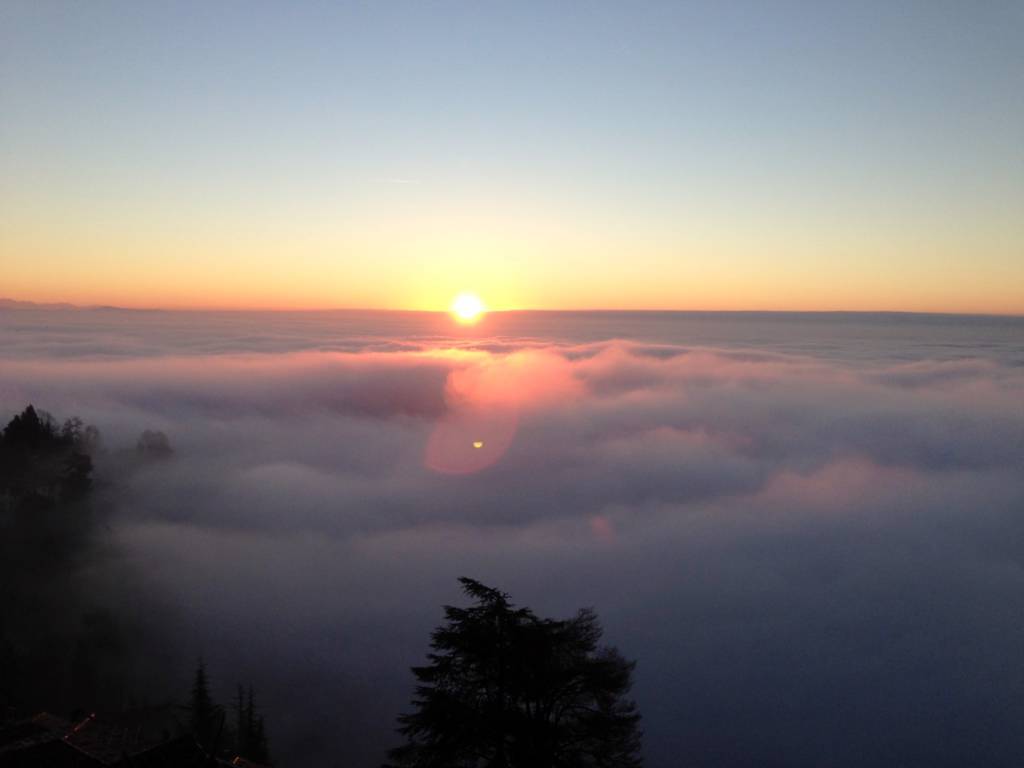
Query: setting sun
[467, 308]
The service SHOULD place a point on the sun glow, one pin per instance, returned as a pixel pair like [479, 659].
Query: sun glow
[467, 308]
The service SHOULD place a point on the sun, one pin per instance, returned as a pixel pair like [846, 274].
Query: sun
[467, 308]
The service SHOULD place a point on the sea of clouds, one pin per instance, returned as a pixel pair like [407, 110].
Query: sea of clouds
[809, 531]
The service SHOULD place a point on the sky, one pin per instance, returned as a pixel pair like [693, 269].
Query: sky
[806, 530]
[819, 155]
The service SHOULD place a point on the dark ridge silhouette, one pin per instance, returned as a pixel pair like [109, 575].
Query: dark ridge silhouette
[141, 737]
[66, 642]
[64, 645]
[505, 688]
[54, 647]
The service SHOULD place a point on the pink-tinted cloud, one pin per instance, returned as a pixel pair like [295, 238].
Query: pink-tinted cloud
[786, 537]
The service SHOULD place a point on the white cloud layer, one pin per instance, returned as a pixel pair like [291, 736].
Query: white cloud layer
[815, 552]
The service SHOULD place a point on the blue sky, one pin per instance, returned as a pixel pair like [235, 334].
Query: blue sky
[458, 138]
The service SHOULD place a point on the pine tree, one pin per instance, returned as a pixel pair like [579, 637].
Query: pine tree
[506, 689]
[251, 737]
[205, 717]
[241, 724]
[260, 750]
[43, 465]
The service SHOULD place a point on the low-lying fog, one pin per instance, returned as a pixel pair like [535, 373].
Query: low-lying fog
[808, 530]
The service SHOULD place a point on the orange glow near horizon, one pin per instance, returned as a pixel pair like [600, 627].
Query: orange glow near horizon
[164, 279]
[89, 261]
[316, 179]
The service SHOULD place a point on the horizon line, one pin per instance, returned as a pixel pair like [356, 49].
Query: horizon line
[16, 304]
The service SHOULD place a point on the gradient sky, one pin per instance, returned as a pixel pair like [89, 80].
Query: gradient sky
[557, 155]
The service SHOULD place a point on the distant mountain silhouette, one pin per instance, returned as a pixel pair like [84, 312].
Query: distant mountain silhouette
[15, 304]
